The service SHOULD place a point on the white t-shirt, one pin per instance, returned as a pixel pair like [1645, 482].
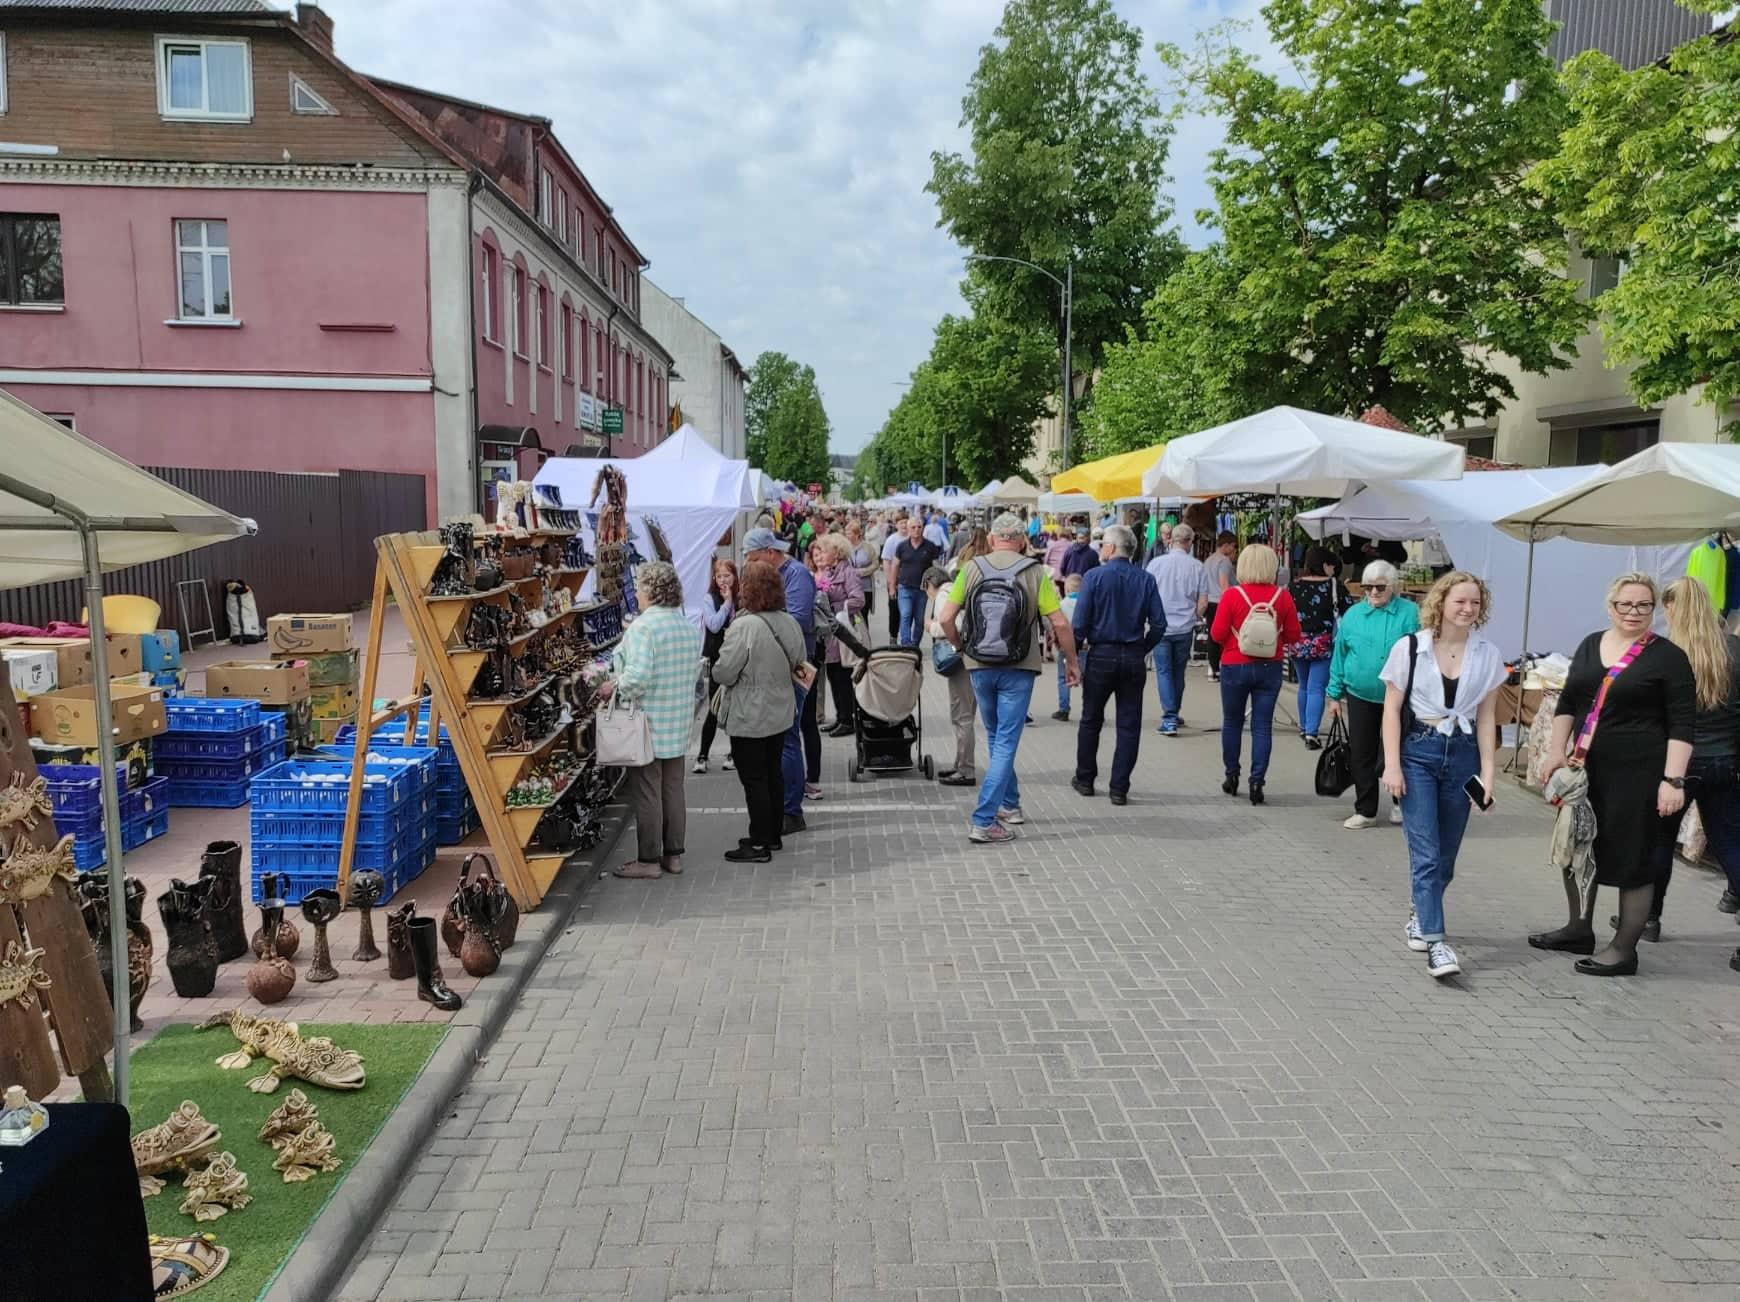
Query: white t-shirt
[1482, 672]
[892, 542]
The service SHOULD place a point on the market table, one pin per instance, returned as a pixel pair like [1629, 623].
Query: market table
[70, 1212]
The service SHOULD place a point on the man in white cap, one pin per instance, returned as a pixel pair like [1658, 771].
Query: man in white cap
[800, 604]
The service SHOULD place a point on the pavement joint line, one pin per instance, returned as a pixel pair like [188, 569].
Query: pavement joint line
[318, 1263]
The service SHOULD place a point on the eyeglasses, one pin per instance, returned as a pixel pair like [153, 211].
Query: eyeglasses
[1634, 607]
[1377, 587]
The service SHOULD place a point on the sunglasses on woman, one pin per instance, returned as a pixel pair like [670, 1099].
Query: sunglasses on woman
[1377, 587]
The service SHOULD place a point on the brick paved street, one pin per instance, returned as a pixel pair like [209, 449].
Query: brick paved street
[1173, 1050]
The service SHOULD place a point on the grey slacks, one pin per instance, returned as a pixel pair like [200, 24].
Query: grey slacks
[963, 710]
[661, 816]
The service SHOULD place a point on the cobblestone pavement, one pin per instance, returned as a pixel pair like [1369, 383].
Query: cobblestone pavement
[1171, 1050]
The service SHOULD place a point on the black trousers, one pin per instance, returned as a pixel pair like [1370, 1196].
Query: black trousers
[813, 734]
[1365, 746]
[894, 619]
[845, 698]
[709, 730]
[1109, 671]
[757, 760]
[1213, 646]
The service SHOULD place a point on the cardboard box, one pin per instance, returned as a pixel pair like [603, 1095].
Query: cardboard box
[305, 635]
[138, 756]
[333, 668]
[327, 729]
[72, 656]
[124, 654]
[270, 682]
[299, 724]
[333, 703]
[144, 678]
[32, 671]
[69, 717]
[160, 650]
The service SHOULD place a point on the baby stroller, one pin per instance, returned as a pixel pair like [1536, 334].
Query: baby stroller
[887, 727]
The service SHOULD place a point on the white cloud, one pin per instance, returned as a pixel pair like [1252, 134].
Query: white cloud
[768, 156]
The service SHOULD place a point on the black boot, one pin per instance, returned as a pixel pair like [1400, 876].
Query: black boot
[192, 954]
[222, 865]
[1256, 792]
[431, 985]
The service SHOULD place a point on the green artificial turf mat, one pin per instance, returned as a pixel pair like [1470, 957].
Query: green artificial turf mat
[180, 1063]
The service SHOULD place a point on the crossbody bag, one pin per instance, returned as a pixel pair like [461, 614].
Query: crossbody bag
[1587, 735]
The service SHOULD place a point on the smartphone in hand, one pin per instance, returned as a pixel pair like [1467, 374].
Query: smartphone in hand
[1476, 791]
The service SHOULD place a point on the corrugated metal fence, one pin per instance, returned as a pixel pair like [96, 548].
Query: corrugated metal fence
[314, 551]
[1632, 32]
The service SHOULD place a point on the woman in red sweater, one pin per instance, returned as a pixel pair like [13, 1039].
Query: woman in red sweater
[1251, 673]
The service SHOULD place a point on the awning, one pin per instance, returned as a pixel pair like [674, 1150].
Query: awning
[1109, 478]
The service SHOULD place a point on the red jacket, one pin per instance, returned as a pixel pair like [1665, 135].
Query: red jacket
[1231, 612]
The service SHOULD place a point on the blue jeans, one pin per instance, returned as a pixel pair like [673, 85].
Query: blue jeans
[1063, 679]
[791, 757]
[911, 614]
[1313, 682]
[1171, 660]
[1435, 812]
[1003, 696]
[1119, 671]
[1257, 686]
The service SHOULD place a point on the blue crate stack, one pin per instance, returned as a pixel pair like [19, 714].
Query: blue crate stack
[297, 821]
[76, 790]
[455, 813]
[214, 745]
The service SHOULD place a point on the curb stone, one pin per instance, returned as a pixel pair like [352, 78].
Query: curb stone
[321, 1259]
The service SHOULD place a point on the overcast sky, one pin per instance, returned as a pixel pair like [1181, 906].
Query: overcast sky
[768, 156]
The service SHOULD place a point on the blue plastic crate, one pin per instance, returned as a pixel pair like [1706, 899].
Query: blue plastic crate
[302, 786]
[195, 793]
[77, 789]
[276, 827]
[211, 714]
[406, 869]
[210, 746]
[92, 851]
[228, 770]
[453, 831]
[418, 759]
[311, 867]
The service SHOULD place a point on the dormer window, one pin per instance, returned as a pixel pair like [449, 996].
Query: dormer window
[204, 80]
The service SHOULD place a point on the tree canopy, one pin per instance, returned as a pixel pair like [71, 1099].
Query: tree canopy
[1649, 170]
[1380, 244]
[797, 434]
[770, 375]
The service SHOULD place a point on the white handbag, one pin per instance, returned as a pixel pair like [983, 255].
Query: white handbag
[623, 735]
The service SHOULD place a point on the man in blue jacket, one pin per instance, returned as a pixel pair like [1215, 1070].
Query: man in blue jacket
[1120, 618]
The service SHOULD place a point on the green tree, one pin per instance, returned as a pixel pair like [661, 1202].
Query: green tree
[769, 377]
[1067, 163]
[1374, 211]
[1649, 169]
[797, 434]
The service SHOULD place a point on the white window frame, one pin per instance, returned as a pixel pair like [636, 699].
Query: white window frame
[324, 109]
[516, 301]
[546, 186]
[205, 252]
[165, 43]
[2, 72]
[491, 263]
[541, 311]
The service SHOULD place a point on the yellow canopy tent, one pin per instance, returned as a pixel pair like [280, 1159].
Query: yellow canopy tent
[1109, 478]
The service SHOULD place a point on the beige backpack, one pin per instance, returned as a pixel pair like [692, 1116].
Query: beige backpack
[1259, 637]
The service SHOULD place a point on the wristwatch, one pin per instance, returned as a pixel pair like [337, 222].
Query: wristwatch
[1678, 784]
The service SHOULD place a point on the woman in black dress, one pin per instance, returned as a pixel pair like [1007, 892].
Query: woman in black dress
[1636, 762]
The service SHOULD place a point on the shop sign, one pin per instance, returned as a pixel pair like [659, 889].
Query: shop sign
[612, 420]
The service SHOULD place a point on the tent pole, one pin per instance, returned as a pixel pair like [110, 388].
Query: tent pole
[111, 809]
[1528, 599]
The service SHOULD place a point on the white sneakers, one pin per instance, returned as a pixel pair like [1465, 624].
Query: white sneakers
[700, 766]
[1416, 941]
[996, 834]
[1395, 816]
[1011, 816]
[1359, 822]
[1441, 960]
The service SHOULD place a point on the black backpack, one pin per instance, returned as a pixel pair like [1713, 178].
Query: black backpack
[999, 614]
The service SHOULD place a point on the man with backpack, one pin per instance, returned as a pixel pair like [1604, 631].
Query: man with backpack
[1119, 619]
[990, 615]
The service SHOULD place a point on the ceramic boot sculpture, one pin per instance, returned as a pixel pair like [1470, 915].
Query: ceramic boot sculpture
[366, 888]
[288, 939]
[400, 966]
[271, 978]
[192, 956]
[431, 985]
[320, 907]
[222, 865]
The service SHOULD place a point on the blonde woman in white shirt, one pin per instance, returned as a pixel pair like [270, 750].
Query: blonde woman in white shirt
[1440, 730]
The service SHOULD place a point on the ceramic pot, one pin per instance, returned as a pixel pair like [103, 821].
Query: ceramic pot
[271, 978]
[400, 966]
[477, 952]
[288, 939]
[222, 866]
[192, 956]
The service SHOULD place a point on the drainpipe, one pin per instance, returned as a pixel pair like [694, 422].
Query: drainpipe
[471, 461]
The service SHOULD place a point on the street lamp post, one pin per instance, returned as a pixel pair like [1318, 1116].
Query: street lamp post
[1066, 287]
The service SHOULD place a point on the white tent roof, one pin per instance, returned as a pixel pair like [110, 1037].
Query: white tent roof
[1297, 453]
[684, 470]
[989, 491]
[1570, 578]
[140, 517]
[1672, 492]
[1013, 489]
[952, 497]
[1067, 503]
[689, 449]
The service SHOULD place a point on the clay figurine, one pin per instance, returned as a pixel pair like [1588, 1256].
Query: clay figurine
[366, 888]
[320, 907]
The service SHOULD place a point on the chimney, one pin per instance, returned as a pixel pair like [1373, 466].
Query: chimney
[316, 25]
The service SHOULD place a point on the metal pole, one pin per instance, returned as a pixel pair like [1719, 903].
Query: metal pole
[1068, 375]
[111, 809]
[1523, 660]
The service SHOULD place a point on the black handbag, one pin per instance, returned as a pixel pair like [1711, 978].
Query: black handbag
[1335, 762]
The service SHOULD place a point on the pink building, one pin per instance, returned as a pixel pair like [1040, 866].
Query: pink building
[284, 295]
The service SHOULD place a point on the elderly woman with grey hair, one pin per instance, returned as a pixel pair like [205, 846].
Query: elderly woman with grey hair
[1362, 644]
[657, 665]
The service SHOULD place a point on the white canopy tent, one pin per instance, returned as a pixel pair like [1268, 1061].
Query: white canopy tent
[1672, 492]
[989, 491]
[952, 497]
[1067, 503]
[1015, 490]
[1296, 453]
[692, 492]
[1570, 578]
[71, 509]
[907, 499]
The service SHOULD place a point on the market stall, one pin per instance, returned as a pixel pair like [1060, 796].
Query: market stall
[1109, 478]
[1014, 491]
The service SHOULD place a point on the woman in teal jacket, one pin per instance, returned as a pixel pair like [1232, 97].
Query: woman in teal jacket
[1362, 644]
